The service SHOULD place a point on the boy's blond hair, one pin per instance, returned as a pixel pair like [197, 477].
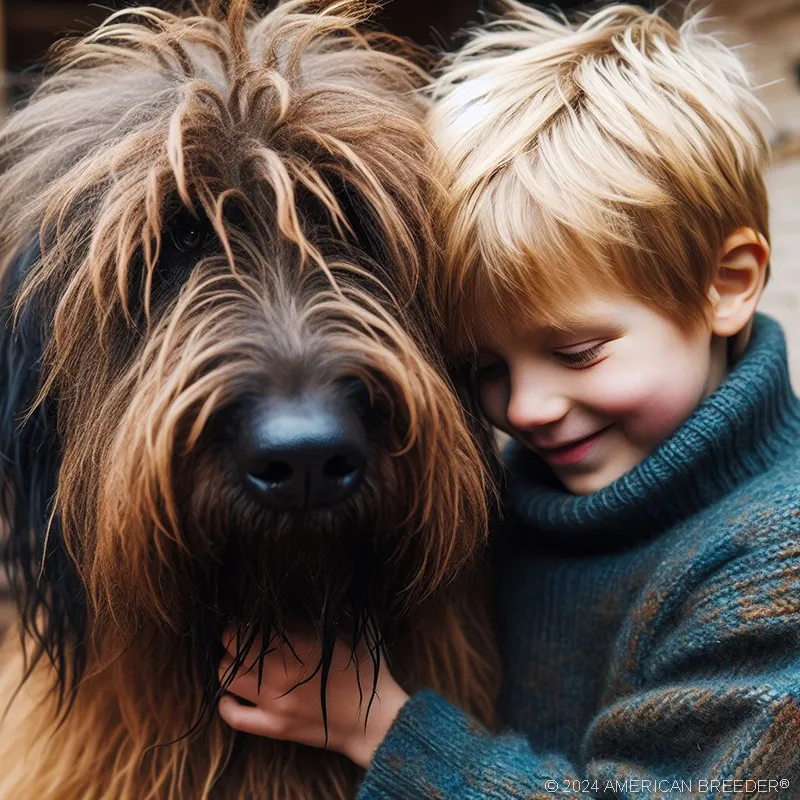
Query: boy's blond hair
[614, 153]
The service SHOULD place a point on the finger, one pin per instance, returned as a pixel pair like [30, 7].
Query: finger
[249, 660]
[233, 637]
[301, 654]
[227, 665]
[294, 657]
[227, 668]
[276, 683]
[251, 719]
[230, 639]
[245, 686]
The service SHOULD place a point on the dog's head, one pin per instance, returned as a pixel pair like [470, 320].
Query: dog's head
[222, 396]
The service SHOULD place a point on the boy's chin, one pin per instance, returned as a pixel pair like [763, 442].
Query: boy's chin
[586, 483]
[593, 478]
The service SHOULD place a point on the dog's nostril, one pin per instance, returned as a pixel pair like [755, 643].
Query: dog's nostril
[276, 472]
[303, 452]
[339, 467]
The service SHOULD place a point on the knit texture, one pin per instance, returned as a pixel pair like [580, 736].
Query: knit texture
[650, 631]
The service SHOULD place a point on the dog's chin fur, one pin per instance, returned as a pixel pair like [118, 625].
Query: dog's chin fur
[196, 211]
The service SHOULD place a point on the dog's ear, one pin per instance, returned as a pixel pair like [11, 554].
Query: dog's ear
[41, 574]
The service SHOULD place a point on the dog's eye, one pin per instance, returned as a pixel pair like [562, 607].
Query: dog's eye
[188, 232]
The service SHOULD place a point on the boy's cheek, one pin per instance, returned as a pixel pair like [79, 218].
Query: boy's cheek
[649, 409]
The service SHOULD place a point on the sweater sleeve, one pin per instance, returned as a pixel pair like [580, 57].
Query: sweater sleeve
[703, 700]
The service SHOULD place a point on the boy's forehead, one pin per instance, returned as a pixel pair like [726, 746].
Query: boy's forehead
[585, 316]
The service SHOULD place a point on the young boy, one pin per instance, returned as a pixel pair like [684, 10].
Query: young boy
[607, 248]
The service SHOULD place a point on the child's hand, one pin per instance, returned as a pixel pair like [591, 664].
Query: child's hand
[297, 715]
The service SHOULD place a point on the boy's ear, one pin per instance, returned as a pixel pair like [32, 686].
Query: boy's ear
[737, 286]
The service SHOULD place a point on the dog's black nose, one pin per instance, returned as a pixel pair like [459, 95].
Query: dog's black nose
[303, 453]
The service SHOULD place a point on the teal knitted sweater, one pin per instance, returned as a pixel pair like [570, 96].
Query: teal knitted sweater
[650, 631]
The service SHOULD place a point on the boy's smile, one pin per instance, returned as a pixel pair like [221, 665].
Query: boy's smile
[572, 452]
[596, 400]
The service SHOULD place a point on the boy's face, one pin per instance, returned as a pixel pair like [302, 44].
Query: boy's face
[596, 400]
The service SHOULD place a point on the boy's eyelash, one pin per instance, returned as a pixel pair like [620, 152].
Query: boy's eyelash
[582, 358]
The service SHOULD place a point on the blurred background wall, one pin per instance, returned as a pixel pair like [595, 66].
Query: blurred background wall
[768, 30]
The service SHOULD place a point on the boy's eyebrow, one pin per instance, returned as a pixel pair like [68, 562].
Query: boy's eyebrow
[598, 323]
[582, 322]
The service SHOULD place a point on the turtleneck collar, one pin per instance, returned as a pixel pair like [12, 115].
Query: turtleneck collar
[739, 432]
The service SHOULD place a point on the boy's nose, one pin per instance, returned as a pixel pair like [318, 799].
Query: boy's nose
[530, 409]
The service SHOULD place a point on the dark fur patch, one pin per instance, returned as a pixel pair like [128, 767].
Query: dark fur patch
[41, 573]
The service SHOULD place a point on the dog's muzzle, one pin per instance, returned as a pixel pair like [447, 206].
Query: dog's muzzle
[305, 452]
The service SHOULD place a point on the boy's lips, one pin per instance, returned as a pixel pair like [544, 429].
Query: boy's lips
[572, 452]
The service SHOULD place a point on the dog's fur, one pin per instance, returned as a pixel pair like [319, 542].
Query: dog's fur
[196, 210]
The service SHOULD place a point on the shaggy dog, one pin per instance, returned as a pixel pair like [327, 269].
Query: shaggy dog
[221, 398]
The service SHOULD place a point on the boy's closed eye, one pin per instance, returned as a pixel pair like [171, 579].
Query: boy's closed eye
[579, 356]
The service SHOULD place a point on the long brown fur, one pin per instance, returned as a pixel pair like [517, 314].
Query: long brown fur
[233, 116]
